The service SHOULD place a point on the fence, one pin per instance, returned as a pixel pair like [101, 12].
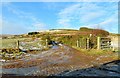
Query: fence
[101, 43]
[25, 44]
[82, 42]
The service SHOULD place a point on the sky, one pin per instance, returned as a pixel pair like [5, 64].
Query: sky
[24, 17]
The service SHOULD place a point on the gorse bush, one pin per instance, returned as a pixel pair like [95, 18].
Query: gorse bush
[33, 33]
[85, 29]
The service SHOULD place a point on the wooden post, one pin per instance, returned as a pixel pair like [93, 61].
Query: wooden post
[18, 45]
[113, 48]
[77, 43]
[80, 44]
[87, 43]
[98, 43]
[46, 43]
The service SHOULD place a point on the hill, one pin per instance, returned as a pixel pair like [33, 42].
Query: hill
[83, 31]
[95, 32]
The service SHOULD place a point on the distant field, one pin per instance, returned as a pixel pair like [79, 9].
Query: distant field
[9, 43]
[24, 42]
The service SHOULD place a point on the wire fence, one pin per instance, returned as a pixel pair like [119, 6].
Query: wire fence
[24, 44]
[38, 44]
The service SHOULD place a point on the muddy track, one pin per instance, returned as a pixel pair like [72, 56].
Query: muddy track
[110, 69]
[52, 62]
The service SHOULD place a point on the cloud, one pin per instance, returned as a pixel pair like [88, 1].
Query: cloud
[110, 24]
[69, 15]
[9, 27]
[0, 24]
[64, 22]
[66, 15]
[19, 13]
[89, 14]
[19, 25]
[38, 26]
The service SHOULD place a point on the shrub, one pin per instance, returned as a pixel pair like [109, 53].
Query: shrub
[85, 29]
[100, 32]
[33, 33]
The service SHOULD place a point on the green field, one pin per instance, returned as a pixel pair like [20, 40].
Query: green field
[12, 43]
[9, 43]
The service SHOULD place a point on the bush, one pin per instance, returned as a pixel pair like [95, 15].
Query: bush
[85, 29]
[33, 33]
[100, 32]
[47, 36]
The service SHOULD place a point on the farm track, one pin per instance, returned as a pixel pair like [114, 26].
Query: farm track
[52, 62]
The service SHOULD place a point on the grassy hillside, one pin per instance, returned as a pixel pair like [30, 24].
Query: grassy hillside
[95, 32]
[68, 36]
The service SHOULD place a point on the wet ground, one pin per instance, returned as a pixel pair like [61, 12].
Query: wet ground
[61, 61]
[110, 69]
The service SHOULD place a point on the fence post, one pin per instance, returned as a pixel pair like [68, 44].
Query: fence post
[77, 43]
[87, 43]
[98, 43]
[113, 48]
[18, 45]
[46, 43]
[80, 43]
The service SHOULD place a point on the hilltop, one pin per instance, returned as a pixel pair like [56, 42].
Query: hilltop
[83, 31]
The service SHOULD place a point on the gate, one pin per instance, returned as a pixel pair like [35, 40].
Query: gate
[103, 43]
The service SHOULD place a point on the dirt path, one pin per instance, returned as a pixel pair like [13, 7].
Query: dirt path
[53, 61]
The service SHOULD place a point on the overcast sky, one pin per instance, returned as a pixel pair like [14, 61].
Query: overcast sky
[23, 17]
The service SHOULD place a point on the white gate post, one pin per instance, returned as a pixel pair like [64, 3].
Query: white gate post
[77, 43]
[46, 43]
[98, 43]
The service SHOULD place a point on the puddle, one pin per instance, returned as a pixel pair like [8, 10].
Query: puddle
[55, 47]
[21, 71]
